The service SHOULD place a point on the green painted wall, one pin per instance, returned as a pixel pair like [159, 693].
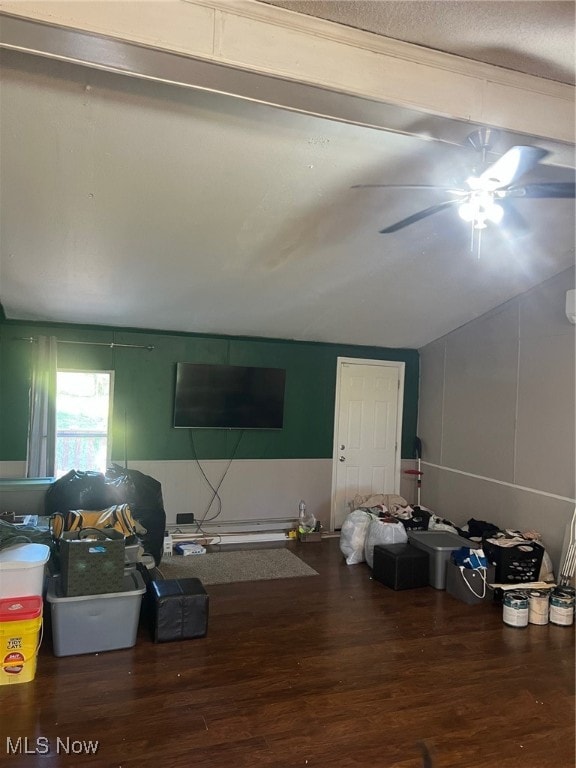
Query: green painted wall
[144, 385]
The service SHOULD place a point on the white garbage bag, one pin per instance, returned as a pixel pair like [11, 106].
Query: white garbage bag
[353, 535]
[382, 532]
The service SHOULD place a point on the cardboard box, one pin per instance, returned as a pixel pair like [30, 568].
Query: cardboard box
[314, 536]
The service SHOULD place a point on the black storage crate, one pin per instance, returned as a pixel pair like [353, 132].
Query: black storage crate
[516, 564]
[400, 566]
[179, 609]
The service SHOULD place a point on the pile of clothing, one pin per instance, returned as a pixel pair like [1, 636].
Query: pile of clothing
[385, 518]
[413, 518]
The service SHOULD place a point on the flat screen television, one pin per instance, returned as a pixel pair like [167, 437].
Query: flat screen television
[229, 396]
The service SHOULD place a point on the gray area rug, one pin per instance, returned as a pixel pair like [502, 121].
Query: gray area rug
[237, 565]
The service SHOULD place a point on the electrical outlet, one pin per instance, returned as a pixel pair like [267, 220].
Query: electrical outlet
[185, 518]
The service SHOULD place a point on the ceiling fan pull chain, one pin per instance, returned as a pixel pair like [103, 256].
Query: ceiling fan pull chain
[475, 240]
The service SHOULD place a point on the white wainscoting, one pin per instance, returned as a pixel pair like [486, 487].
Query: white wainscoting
[264, 492]
[252, 490]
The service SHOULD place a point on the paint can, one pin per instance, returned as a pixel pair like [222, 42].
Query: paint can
[515, 612]
[538, 606]
[562, 606]
[566, 591]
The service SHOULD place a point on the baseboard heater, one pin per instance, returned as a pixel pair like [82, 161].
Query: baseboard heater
[247, 538]
[235, 531]
[231, 538]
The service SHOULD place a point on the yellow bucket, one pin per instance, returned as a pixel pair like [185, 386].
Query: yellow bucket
[20, 638]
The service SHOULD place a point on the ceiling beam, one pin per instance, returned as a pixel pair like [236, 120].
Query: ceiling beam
[265, 54]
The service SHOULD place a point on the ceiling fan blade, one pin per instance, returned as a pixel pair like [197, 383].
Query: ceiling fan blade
[550, 189]
[412, 186]
[510, 167]
[418, 216]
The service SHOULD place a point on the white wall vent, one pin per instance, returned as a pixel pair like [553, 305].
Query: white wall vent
[571, 306]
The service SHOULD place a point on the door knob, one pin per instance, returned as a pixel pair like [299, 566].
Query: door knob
[342, 458]
[342, 447]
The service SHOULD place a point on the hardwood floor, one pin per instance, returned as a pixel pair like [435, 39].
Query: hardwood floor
[329, 670]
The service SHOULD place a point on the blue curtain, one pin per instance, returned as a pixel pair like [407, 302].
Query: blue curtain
[42, 420]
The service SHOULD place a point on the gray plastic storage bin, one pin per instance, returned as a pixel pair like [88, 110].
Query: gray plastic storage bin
[439, 545]
[95, 623]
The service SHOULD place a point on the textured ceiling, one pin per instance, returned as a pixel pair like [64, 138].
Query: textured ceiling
[537, 38]
[140, 204]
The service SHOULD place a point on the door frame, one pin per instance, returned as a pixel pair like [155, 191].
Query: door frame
[401, 366]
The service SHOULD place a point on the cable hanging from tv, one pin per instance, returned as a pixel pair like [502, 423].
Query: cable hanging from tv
[214, 488]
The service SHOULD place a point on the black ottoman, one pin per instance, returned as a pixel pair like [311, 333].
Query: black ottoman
[179, 609]
[400, 566]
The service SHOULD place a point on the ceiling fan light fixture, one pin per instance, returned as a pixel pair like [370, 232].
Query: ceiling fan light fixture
[480, 207]
[474, 183]
[495, 213]
[468, 211]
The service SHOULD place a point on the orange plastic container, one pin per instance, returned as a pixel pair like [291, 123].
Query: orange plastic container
[20, 638]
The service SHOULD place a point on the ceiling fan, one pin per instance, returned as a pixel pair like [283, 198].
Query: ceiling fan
[485, 197]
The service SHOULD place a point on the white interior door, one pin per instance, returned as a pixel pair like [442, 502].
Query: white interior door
[367, 431]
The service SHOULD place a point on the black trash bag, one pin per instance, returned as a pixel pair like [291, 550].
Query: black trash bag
[481, 529]
[144, 495]
[78, 490]
[93, 490]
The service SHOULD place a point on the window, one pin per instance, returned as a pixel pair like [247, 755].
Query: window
[83, 419]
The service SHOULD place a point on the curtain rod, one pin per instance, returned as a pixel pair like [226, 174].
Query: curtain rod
[111, 344]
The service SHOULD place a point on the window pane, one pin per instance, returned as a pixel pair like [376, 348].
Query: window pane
[83, 453]
[82, 408]
[82, 401]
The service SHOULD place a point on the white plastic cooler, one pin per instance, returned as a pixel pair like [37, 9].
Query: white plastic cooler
[22, 570]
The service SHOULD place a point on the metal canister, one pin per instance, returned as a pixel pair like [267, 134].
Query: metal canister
[538, 606]
[515, 611]
[562, 606]
[566, 591]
